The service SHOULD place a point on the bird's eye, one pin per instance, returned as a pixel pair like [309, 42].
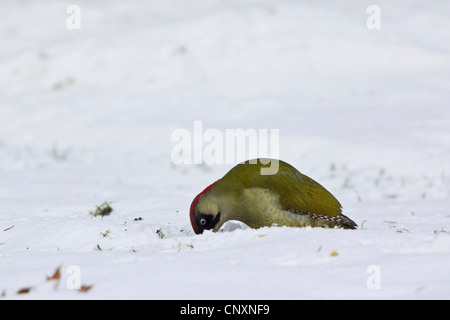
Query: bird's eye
[202, 221]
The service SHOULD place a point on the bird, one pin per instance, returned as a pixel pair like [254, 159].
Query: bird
[284, 198]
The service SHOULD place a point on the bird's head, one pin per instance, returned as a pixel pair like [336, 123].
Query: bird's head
[204, 213]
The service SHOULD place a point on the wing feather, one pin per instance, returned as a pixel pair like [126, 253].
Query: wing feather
[298, 193]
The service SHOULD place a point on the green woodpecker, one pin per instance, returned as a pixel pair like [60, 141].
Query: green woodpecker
[285, 198]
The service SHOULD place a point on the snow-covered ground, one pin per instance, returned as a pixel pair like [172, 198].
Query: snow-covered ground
[86, 116]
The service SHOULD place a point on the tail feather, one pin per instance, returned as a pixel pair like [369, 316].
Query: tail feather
[345, 222]
[340, 220]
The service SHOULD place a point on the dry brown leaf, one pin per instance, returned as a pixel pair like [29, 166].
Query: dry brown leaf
[24, 290]
[85, 288]
[56, 275]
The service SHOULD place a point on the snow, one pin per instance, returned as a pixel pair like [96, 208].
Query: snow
[86, 116]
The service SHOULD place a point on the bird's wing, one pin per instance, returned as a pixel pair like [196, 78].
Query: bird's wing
[298, 193]
[301, 193]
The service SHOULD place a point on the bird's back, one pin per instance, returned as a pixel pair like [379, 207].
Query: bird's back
[298, 193]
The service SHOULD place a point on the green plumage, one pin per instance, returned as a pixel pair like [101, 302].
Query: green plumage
[285, 197]
[296, 193]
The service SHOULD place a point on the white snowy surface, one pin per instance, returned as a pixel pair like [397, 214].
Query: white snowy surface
[86, 116]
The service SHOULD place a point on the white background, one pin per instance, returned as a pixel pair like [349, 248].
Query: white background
[86, 116]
